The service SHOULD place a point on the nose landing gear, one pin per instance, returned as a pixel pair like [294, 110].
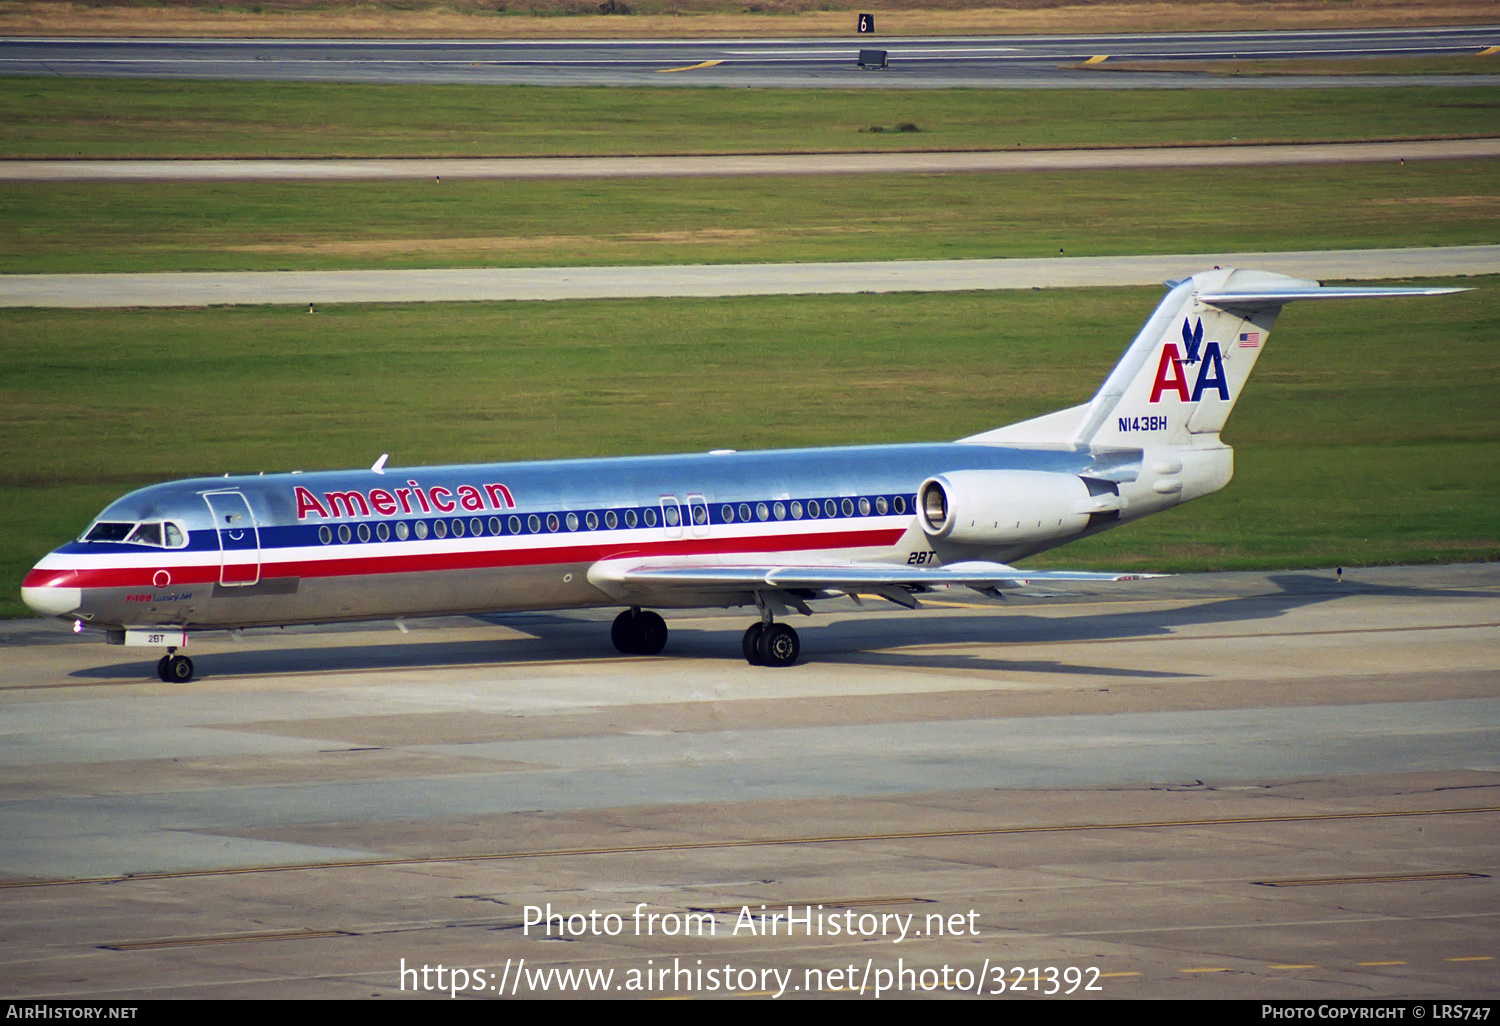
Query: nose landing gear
[174, 669]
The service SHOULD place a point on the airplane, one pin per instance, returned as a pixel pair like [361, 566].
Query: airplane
[772, 529]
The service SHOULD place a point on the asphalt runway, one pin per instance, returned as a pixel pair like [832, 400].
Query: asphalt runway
[1232, 785]
[207, 288]
[1009, 61]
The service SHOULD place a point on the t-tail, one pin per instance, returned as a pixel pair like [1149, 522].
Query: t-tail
[1173, 390]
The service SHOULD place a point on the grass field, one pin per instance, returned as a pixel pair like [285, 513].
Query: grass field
[275, 226]
[1369, 433]
[74, 118]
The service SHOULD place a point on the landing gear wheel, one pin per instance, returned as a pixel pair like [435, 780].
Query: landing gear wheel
[639, 633]
[779, 645]
[161, 669]
[750, 644]
[650, 633]
[622, 631]
[178, 670]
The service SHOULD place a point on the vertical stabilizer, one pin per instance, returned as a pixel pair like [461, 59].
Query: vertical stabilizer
[1179, 380]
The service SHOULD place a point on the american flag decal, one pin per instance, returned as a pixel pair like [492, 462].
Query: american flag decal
[1249, 339]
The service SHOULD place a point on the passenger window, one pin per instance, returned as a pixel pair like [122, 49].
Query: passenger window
[364, 532]
[881, 506]
[325, 535]
[344, 534]
[780, 510]
[727, 513]
[476, 527]
[420, 530]
[402, 530]
[534, 524]
[439, 529]
[515, 525]
[744, 511]
[592, 520]
[572, 521]
[458, 528]
[383, 531]
[796, 511]
[650, 517]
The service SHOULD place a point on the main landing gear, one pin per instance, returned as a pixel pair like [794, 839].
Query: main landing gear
[174, 669]
[637, 632]
[641, 632]
[770, 644]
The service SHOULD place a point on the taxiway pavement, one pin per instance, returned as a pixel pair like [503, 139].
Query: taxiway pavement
[946, 62]
[1230, 785]
[454, 285]
[945, 162]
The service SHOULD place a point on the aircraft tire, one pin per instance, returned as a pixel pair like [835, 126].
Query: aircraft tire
[650, 633]
[179, 670]
[750, 644]
[161, 669]
[639, 633]
[779, 645]
[622, 632]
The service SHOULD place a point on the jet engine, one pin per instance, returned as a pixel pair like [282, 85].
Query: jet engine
[1001, 507]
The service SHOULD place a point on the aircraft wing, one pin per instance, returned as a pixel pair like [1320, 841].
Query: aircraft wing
[893, 582]
[838, 576]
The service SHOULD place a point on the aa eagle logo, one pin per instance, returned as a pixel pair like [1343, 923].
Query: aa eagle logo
[1171, 372]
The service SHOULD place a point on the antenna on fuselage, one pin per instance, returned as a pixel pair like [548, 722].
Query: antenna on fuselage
[379, 466]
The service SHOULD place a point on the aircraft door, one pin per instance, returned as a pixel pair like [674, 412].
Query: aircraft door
[671, 516]
[239, 538]
[698, 515]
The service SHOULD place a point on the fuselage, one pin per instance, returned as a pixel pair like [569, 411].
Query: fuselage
[331, 546]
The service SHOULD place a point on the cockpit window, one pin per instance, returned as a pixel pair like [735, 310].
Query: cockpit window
[109, 531]
[147, 534]
[156, 533]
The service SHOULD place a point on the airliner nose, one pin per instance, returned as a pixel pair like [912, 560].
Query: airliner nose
[51, 592]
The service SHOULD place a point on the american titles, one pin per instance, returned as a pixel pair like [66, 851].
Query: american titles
[389, 502]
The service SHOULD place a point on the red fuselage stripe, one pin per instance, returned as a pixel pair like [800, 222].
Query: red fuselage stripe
[479, 559]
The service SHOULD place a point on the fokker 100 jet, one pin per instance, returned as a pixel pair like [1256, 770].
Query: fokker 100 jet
[773, 530]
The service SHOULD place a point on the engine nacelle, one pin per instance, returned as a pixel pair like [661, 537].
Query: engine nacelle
[1000, 507]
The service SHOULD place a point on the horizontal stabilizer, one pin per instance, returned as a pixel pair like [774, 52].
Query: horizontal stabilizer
[1253, 298]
